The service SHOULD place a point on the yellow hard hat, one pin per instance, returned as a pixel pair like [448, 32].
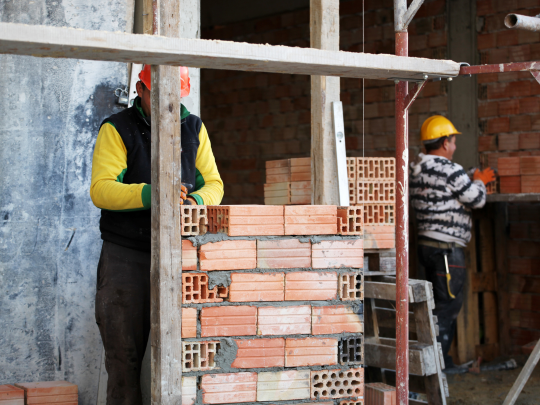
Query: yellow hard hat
[436, 127]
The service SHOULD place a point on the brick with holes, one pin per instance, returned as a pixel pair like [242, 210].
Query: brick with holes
[350, 220]
[189, 255]
[375, 191]
[228, 255]
[199, 356]
[284, 320]
[229, 388]
[351, 350]
[228, 321]
[247, 287]
[310, 352]
[352, 192]
[218, 218]
[310, 286]
[283, 254]
[189, 322]
[189, 390]
[194, 220]
[352, 402]
[310, 220]
[379, 214]
[337, 253]
[379, 236]
[351, 286]
[337, 383]
[351, 168]
[259, 353]
[195, 289]
[379, 394]
[283, 385]
[376, 168]
[328, 320]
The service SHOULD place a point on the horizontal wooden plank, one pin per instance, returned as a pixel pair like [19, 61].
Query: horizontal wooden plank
[57, 42]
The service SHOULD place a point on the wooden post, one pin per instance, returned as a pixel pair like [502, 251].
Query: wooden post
[166, 273]
[324, 29]
[500, 218]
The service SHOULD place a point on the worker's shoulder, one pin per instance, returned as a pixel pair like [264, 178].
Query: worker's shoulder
[120, 119]
[192, 123]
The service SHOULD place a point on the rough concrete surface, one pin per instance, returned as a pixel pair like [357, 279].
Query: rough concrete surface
[49, 236]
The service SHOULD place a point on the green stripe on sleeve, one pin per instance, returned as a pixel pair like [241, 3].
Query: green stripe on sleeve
[197, 198]
[146, 196]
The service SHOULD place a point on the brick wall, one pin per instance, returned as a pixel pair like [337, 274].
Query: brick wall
[524, 269]
[255, 117]
[508, 103]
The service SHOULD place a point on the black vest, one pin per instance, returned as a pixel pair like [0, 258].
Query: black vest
[132, 228]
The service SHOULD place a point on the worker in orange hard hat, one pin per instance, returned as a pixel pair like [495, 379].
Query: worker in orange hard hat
[443, 195]
[120, 186]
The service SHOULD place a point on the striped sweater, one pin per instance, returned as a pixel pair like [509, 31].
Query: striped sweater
[443, 195]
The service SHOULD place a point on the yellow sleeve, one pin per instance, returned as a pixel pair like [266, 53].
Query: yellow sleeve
[109, 165]
[208, 183]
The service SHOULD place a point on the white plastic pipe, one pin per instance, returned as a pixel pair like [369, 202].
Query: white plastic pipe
[523, 22]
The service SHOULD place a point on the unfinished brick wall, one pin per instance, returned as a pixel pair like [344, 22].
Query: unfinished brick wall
[508, 103]
[277, 317]
[256, 117]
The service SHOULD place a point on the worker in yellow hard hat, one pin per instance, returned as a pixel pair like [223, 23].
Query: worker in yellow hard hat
[120, 187]
[443, 195]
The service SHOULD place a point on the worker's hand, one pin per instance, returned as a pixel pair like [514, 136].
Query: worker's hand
[486, 176]
[183, 195]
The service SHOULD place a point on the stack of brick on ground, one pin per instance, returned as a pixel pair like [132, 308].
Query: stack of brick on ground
[519, 174]
[273, 317]
[44, 392]
[380, 394]
[11, 395]
[288, 181]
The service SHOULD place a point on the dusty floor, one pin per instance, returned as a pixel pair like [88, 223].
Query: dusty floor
[491, 387]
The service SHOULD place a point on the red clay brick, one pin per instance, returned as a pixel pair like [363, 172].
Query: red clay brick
[284, 320]
[194, 219]
[508, 142]
[379, 394]
[228, 255]
[310, 286]
[229, 388]
[283, 254]
[310, 352]
[199, 356]
[379, 214]
[10, 392]
[310, 220]
[336, 254]
[375, 191]
[255, 220]
[337, 383]
[529, 165]
[195, 289]
[350, 220]
[530, 184]
[487, 143]
[228, 321]
[247, 287]
[189, 322]
[283, 385]
[189, 255]
[379, 237]
[508, 166]
[52, 399]
[260, 353]
[376, 168]
[510, 185]
[529, 141]
[351, 286]
[336, 319]
[189, 390]
[44, 388]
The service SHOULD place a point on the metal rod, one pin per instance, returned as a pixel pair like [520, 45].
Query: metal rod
[402, 230]
[500, 68]
[523, 22]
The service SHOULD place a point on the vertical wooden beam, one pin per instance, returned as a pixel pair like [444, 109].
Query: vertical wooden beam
[324, 30]
[166, 274]
[500, 218]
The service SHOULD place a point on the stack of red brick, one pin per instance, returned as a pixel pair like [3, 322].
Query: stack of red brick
[520, 174]
[271, 316]
[36, 393]
[288, 181]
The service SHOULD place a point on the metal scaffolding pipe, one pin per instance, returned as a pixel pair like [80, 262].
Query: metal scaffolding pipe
[523, 22]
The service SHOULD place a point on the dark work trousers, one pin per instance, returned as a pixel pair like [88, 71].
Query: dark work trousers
[123, 318]
[446, 308]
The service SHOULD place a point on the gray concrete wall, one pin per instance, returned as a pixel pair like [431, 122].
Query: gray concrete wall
[49, 238]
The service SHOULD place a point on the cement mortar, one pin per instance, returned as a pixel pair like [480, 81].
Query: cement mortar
[358, 308]
[218, 278]
[339, 270]
[228, 350]
[220, 237]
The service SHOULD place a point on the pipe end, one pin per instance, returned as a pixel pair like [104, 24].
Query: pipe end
[511, 20]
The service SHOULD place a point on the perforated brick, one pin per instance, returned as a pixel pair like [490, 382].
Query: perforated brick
[229, 388]
[379, 214]
[351, 350]
[199, 356]
[347, 402]
[351, 168]
[352, 192]
[194, 220]
[337, 383]
[218, 219]
[350, 220]
[351, 286]
[195, 289]
[375, 191]
[376, 168]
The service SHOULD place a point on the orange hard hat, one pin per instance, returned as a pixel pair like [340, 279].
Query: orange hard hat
[146, 77]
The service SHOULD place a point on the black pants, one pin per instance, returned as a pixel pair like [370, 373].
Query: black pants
[446, 307]
[123, 318]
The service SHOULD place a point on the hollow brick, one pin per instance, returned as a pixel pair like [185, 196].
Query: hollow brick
[337, 383]
[336, 319]
[189, 390]
[228, 321]
[336, 254]
[10, 392]
[508, 166]
[311, 352]
[247, 287]
[229, 388]
[189, 322]
[260, 353]
[310, 286]
[350, 220]
[351, 168]
[375, 191]
[189, 255]
[351, 350]
[283, 254]
[228, 255]
[379, 214]
[379, 236]
[218, 219]
[379, 394]
[376, 168]
[284, 320]
[195, 289]
[194, 220]
[199, 356]
[352, 191]
[283, 385]
[353, 402]
[351, 286]
[310, 220]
